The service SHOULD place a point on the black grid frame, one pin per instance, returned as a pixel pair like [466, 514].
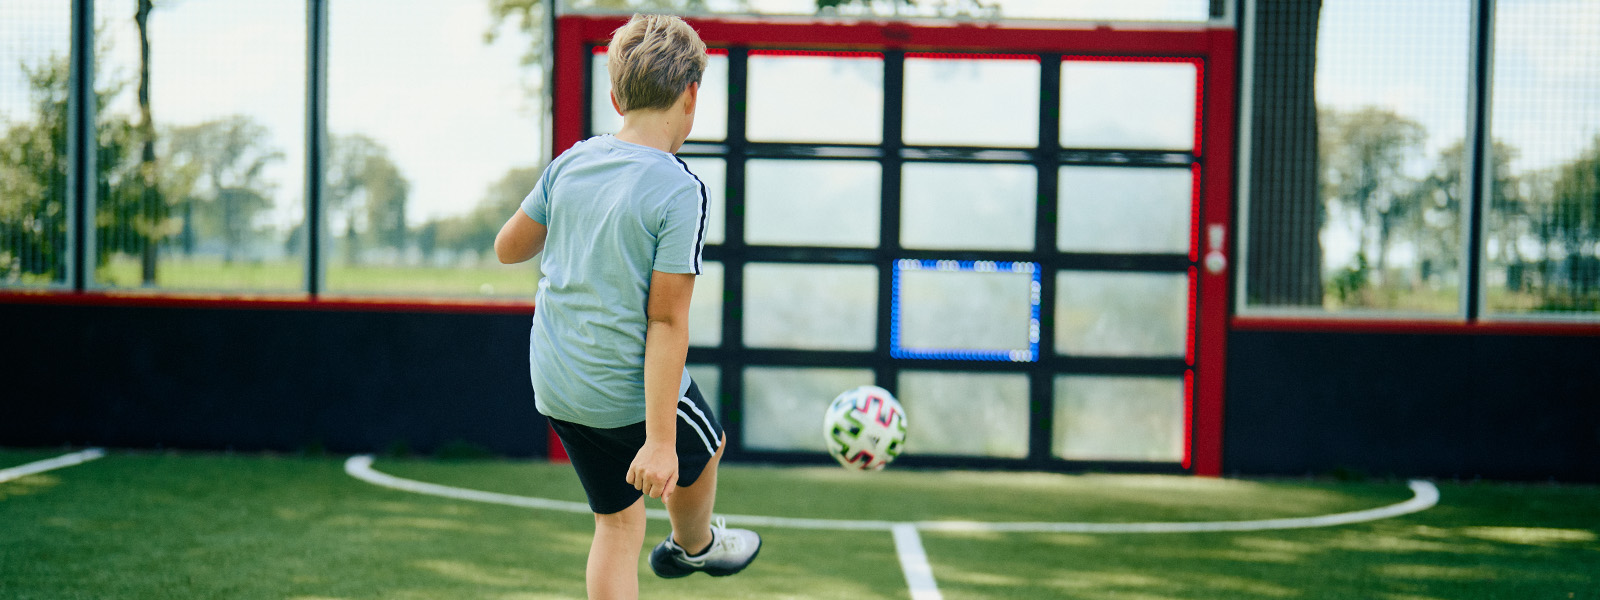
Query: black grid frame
[732, 357]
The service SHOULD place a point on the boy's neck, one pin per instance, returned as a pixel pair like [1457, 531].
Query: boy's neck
[657, 129]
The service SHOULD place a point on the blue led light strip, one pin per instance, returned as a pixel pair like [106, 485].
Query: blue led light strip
[1029, 354]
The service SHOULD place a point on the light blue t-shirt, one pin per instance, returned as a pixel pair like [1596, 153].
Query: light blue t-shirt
[615, 212]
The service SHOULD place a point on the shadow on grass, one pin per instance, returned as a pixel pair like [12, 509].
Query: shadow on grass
[1444, 553]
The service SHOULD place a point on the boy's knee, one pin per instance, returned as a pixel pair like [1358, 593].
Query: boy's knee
[627, 518]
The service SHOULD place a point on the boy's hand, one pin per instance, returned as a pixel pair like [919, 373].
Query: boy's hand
[655, 470]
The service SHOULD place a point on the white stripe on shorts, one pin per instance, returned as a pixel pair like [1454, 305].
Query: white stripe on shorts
[698, 429]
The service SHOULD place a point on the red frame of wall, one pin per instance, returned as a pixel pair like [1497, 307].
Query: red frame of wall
[1216, 46]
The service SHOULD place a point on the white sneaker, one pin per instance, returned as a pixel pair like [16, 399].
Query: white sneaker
[731, 550]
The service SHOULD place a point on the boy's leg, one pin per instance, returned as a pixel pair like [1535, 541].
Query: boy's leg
[696, 545]
[613, 570]
[690, 508]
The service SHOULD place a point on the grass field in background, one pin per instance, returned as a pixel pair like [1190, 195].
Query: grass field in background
[489, 279]
[164, 525]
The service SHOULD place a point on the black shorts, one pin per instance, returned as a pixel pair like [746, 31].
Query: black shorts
[602, 456]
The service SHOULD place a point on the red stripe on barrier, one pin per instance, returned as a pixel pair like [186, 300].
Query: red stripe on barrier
[235, 301]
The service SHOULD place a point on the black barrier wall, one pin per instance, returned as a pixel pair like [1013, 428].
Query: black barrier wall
[1444, 405]
[279, 380]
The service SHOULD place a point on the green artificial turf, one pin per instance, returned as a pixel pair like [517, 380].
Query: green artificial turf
[140, 525]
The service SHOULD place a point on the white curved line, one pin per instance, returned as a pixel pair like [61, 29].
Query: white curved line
[1425, 496]
[40, 466]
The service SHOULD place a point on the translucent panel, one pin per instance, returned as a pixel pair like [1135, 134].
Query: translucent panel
[1112, 10]
[1378, 224]
[783, 407]
[837, 97]
[711, 108]
[227, 103]
[971, 102]
[1128, 105]
[965, 206]
[432, 148]
[1119, 209]
[813, 307]
[1118, 418]
[705, 309]
[966, 413]
[1121, 314]
[812, 203]
[35, 40]
[1542, 255]
[709, 380]
[713, 172]
[965, 313]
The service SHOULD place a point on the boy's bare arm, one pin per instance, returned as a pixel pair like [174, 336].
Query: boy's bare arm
[666, 346]
[520, 239]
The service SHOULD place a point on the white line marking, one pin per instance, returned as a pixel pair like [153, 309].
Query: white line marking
[1425, 496]
[914, 561]
[40, 466]
[907, 541]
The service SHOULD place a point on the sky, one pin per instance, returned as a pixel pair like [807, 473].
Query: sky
[417, 75]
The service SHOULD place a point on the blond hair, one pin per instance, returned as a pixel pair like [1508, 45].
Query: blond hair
[652, 60]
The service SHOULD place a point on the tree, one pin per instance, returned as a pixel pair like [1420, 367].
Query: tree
[1574, 223]
[33, 178]
[529, 17]
[153, 210]
[1441, 202]
[476, 230]
[1363, 167]
[368, 191]
[1285, 210]
[219, 165]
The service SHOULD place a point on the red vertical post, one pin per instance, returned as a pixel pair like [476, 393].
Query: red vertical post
[1215, 284]
[566, 124]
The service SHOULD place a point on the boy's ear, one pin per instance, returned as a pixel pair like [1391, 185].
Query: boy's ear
[613, 95]
[693, 92]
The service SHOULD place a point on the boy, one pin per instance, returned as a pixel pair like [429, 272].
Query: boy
[621, 223]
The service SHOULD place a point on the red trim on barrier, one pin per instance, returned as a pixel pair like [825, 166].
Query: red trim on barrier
[1119, 58]
[556, 451]
[1200, 104]
[971, 56]
[1211, 345]
[1188, 417]
[266, 302]
[567, 93]
[818, 53]
[1188, 346]
[1194, 212]
[1334, 324]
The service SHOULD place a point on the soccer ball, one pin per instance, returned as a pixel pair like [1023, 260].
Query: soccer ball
[865, 428]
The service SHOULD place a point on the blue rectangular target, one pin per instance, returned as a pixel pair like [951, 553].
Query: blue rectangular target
[965, 310]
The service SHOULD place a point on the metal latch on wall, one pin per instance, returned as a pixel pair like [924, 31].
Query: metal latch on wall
[1216, 262]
